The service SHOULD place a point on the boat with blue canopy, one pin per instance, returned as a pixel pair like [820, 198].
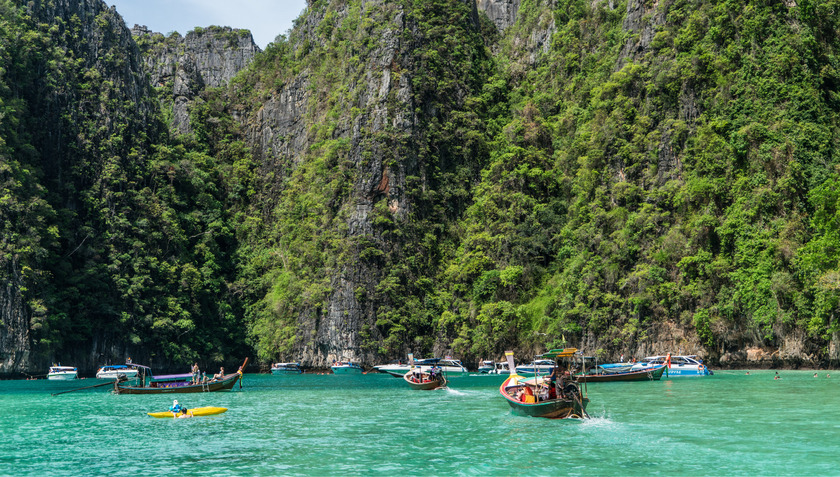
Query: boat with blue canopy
[62, 373]
[177, 383]
[286, 368]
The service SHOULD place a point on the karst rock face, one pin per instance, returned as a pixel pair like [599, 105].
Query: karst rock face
[185, 66]
[361, 126]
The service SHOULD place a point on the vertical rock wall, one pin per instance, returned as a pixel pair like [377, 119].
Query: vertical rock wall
[205, 58]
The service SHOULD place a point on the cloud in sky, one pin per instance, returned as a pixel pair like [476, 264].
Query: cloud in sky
[265, 18]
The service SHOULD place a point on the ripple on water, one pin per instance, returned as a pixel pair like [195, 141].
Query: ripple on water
[315, 425]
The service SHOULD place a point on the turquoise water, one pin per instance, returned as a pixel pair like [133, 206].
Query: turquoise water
[727, 424]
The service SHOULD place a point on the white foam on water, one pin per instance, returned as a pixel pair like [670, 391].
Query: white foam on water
[455, 392]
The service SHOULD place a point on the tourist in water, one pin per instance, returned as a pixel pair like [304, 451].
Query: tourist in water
[777, 376]
[748, 373]
[184, 413]
[815, 375]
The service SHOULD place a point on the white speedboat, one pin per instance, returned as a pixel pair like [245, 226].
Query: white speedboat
[346, 367]
[450, 367]
[286, 368]
[487, 367]
[58, 373]
[678, 366]
[502, 367]
[394, 369]
[539, 366]
[115, 370]
[491, 367]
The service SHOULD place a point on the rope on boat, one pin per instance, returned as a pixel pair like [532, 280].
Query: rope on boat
[86, 387]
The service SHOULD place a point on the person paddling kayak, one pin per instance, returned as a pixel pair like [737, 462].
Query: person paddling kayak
[175, 408]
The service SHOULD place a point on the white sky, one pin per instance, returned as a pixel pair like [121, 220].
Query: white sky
[265, 18]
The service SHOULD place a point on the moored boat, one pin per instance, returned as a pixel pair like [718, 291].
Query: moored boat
[678, 366]
[114, 371]
[346, 367]
[61, 373]
[610, 368]
[452, 367]
[286, 368]
[487, 367]
[178, 383]
[425, 380]
[397, 369]
[449, 366]
[195, 412]
[537, 367]
[651, 373]
[540, 397]
[491, 367]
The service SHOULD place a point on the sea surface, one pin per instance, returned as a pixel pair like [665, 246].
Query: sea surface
[727, 424]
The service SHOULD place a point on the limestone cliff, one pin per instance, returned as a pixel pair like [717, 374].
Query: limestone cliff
[185, 66]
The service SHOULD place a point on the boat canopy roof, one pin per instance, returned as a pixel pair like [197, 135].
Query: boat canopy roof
[559, 353]
[433, 361]
[171, 377]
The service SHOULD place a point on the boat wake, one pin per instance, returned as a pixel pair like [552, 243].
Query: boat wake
[596, 422]
[455, 392]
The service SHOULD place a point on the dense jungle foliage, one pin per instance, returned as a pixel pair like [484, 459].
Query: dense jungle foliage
[119, 237]
[670, 168]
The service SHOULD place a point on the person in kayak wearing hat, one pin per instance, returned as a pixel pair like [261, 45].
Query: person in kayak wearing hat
[175, 408]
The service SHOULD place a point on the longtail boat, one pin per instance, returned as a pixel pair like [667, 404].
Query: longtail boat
[178, 383]
[539, 396]
[653, 373]
[198, 411]
[425, 380]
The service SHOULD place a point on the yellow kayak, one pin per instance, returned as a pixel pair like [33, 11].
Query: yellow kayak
[199, 411]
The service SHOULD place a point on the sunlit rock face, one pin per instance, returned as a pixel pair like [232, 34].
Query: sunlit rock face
[205, 58]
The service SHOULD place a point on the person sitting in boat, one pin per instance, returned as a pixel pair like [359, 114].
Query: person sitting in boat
[175, 408]
[219, 375]
[526, 391]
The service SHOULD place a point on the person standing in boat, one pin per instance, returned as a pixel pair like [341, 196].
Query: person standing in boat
[552, 381]
[196, 374]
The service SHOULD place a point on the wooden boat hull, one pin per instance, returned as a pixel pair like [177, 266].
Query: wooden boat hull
[199, 411]
[425, 386]
[223, 384]
[654, 374]
[551, 409]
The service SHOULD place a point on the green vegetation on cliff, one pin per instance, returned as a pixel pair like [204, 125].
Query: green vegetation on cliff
[607, 174]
